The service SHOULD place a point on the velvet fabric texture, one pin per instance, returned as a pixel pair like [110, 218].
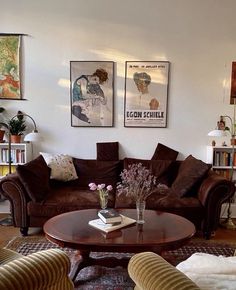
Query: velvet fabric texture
[158, 168]
[163, 152]
[108, 151]
[190, 174]
[97, 171]
[35, 176]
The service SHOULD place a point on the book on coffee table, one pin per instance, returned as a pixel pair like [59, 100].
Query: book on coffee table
[100, 225]
[109, 216]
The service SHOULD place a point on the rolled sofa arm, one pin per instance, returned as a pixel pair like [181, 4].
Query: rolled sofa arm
[46, 269]
[14, 191]
[214, 191]
[150, 271]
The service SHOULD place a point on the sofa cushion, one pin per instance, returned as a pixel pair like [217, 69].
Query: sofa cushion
[35, 176]
[108, 151]
[158, 168]
[190, 173]
[62, 167]
[97, 171]
[163, 152]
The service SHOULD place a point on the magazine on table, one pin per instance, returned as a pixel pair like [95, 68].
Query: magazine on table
[100, 225]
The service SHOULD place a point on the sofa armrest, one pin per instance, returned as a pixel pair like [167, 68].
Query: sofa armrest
[46, 269]
[214, 191]
[14, 191]
[150, 271]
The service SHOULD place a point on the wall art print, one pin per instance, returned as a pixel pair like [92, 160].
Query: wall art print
[10, 84]
[146, 93]
[92, 93]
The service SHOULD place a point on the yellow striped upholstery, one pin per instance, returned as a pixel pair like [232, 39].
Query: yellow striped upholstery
[149, 271]
[8, 255]
[42, 270]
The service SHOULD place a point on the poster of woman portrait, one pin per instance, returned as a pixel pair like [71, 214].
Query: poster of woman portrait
[92, 94]
[146, 93]
[10, 85]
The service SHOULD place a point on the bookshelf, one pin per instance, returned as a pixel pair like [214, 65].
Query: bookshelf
[20, 154]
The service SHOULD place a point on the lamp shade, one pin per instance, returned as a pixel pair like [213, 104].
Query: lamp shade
[32, 137]
[218, 133]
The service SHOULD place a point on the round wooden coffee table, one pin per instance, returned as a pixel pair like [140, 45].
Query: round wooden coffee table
[161, 231]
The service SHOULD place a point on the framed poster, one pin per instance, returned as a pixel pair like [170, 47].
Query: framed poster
[10, 84]
[146, 93]
[92, 96]
[233, 84]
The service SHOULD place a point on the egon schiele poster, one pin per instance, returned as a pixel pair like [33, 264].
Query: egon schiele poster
[146, 93]
[92, 93]
[10, 86]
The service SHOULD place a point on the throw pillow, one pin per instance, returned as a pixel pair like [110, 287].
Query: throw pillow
[108, 151]
[163, 152]
[62, 167]
[191, 172]
[35, 176]
[158, 168]
[97, 171]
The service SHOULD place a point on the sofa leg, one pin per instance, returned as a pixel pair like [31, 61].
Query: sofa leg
[24, 231]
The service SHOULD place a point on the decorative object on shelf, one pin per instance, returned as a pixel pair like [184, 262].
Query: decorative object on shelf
[146, 93]
[222, 131]
[33, 136]
[2, 132]
[103, 193]
[138, 183]
[92, 93]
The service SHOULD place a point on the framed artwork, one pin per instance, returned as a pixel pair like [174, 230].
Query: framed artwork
[146, 93]
[233, 84]
[92, 93]
[10, 83]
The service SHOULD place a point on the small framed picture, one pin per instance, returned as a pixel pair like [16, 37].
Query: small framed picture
[92, 93]
[146, 93]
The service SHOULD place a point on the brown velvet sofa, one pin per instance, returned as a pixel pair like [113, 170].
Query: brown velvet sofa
[194, 190]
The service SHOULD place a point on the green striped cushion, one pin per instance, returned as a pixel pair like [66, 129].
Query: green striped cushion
[150, 271]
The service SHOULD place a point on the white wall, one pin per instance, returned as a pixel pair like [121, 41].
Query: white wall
[197, 37]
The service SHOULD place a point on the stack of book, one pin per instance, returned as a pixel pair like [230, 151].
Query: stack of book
[110, 220]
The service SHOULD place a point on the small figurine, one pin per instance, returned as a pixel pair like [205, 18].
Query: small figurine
[213, 143]
[224, 144]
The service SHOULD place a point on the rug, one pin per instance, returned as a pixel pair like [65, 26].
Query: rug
[101, 278]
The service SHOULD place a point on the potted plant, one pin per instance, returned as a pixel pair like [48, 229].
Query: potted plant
[17, 127]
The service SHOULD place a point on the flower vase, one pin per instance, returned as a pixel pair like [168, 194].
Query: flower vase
[103, 201]
[140, 206]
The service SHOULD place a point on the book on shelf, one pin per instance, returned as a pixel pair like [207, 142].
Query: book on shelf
[109, 216]
[100, 225]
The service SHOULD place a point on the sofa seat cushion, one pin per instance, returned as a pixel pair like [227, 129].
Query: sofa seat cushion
[64, 199]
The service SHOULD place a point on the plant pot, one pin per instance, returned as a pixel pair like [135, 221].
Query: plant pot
[233, 141]
[15, 138]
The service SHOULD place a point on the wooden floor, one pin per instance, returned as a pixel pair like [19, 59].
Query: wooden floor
[9, 232]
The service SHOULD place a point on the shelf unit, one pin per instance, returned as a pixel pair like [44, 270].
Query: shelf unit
[222, 160]
[20, 154]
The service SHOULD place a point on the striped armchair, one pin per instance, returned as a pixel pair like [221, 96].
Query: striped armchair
[149, 271]
[42, 270]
